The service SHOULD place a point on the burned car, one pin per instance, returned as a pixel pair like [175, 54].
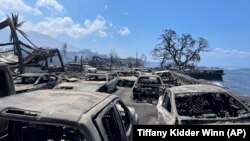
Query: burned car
[64, 115]
[124, 79]
[35, 81]
[168, 78]
[148, 88]
[201, 104]
[89, 86]
[99, 77]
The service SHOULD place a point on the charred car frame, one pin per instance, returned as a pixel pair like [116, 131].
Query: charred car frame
[65, 115]
[148, 88]
[201, 104]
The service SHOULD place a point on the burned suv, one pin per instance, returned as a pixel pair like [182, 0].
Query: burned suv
[167, 77]
[64, 115]
[201, 104]
[148, 88]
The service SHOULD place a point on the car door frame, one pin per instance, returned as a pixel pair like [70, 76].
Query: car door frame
[100, 125]
[165, 116]
[129, 132]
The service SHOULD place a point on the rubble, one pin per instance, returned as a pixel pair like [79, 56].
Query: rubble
[22, 55]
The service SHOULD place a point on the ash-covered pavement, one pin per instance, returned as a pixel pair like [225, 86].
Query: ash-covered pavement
[147, 112]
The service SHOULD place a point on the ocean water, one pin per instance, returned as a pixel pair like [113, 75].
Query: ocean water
[237, 80]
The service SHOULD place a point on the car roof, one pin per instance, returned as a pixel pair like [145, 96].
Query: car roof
[162, 71]
[53, 105]
[197, 88]
[88, 86]
[34, 74]
[148, 75]
[3, 64]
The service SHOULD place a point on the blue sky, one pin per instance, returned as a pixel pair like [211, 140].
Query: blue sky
[131, 26]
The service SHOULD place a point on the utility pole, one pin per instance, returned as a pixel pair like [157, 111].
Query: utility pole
[136, 62]
[76, 58]
[81, 63]
[111, 59]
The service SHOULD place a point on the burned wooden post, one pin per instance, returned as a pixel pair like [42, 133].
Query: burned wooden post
[60, 58]
[76, 58]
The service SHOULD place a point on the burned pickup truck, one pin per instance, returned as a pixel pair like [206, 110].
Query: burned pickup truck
[64, 115]
[201, 104]
[148, 88]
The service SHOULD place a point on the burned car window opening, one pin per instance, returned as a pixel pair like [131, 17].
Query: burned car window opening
[44, 79]
[124, 115]
[25, 80]
[149, 80]
[111, 126]
[4, 86]
[27, 131]
[167, 103]
[209, 104]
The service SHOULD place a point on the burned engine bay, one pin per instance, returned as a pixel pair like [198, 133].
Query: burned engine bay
[208, 105]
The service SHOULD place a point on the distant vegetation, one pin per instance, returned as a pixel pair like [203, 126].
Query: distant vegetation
[180, 51]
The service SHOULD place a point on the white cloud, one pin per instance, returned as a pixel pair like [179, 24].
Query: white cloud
[75, 31]
[224, 52]
[99, 24]
[124, 31]
[19, 6]
[102, 34]
[50, 4]
[65, 25]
